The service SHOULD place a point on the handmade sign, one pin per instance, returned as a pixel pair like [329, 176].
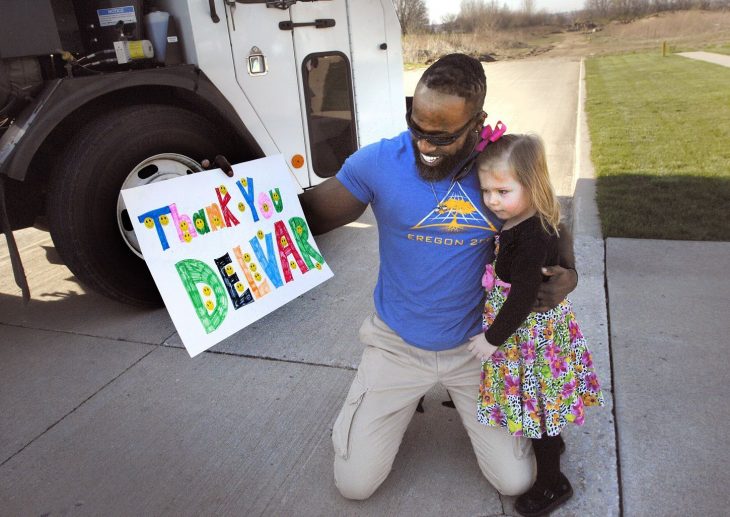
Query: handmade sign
[223, 251]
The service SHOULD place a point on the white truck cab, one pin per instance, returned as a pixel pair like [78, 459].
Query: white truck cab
[100, 95]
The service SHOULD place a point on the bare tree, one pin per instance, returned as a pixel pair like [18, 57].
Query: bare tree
[599, 8]
[528, 7]
[480, 14]
[412, 15]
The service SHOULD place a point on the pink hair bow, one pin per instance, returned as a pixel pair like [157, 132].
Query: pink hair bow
[490, 135]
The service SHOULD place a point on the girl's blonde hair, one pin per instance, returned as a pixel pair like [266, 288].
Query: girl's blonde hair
[524, 155]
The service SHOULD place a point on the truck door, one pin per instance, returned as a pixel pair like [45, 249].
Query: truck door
[292, 63]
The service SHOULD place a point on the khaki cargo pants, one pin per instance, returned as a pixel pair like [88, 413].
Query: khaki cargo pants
[391, 379]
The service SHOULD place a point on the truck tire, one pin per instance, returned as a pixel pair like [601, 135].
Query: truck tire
[85, 185]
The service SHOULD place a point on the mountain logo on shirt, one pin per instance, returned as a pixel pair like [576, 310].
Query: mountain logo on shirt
[455, 213]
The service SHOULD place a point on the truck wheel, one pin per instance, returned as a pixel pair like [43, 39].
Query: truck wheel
[127, 147]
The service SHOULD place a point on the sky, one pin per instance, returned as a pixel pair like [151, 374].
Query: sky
[438, 8]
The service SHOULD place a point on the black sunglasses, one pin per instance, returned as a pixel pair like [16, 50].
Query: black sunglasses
[438, 140]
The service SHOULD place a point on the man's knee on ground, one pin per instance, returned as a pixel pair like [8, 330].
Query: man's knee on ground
[514, 482]
[357, 488]
[357, 485]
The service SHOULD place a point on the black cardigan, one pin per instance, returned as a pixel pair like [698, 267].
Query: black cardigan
[523, 250]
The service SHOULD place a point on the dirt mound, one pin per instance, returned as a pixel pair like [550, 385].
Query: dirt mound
[676, 25]
[682, 30]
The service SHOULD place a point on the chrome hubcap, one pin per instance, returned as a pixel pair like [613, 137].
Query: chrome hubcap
[156, 168]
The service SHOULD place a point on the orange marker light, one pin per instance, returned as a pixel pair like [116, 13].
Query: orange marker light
[297, 161]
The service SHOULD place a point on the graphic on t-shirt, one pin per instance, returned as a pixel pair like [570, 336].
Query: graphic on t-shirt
[456, 212]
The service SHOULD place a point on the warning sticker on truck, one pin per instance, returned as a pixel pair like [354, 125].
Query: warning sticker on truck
[115, 15]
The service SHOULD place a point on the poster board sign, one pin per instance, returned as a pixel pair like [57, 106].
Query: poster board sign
[224, 252]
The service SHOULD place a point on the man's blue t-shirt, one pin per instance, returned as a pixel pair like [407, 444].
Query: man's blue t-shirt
[431, 260]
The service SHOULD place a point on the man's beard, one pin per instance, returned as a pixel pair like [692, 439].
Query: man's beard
[448, 162]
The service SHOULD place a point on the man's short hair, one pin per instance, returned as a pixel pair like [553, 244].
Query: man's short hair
[458, 74]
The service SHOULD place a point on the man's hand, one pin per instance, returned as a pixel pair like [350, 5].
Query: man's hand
[561, 283]
[480, 347]
[220, 162]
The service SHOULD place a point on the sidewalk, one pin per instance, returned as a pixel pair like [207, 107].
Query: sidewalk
[669, 324]
[710, 57]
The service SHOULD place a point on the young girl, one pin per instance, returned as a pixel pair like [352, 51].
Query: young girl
[537, 373]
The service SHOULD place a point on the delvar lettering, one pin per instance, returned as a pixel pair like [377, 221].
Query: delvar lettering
[260, 271]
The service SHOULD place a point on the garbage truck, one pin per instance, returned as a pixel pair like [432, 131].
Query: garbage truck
[101, 95]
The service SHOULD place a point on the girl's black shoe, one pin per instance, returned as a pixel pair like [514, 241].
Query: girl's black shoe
[539, 500]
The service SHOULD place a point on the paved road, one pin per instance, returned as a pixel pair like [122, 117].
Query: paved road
[103, 413]
[710, 57]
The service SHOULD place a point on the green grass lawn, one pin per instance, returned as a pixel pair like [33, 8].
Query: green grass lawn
[660, 135]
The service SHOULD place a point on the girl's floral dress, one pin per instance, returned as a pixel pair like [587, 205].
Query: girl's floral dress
[542, 377]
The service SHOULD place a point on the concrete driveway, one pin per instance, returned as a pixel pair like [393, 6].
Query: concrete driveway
[103, 413]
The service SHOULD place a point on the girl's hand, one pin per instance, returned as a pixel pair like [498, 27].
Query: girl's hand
[480, 347]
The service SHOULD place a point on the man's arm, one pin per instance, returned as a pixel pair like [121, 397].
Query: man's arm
[563, 278]
[330, 205]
